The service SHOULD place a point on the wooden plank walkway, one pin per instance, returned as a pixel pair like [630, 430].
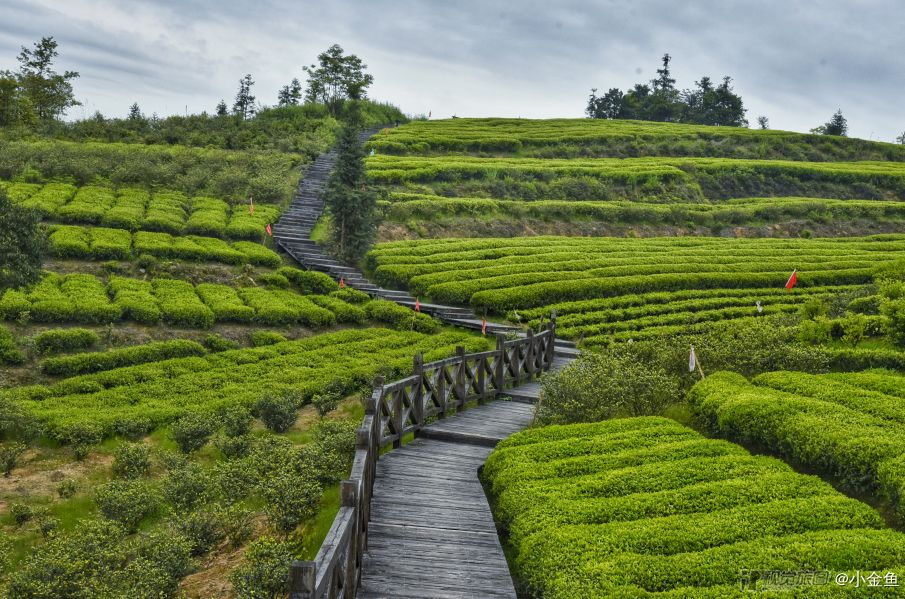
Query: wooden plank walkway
[432, 534]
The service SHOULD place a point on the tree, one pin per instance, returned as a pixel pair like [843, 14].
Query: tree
[607, 106]
[135, 112]
[291, 94]
[337, 77]
[901, 139]
[659, 100]
[221, 109]
[837, 125]
[48, 92]
[763, 122]
[350, 200]
[22, 245]
[244, 106]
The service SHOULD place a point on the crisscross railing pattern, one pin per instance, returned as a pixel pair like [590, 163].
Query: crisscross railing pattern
[397, 409]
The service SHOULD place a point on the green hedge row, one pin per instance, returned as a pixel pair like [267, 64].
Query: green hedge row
[101, 243]
[142, 397]
[646, 507]
[849, 425]
[63, 340]
[116, 358]
[86, 299]
[9, 351]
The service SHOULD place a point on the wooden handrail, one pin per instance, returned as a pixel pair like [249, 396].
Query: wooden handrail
[393, 411]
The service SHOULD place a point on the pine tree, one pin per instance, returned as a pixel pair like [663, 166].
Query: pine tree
[135, 112]
[22, 245]
[836, 125]
[244, 106]
[290, 95]
[221, 109]
[352, 203]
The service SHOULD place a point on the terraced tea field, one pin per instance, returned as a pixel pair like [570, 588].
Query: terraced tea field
[631, 288]
[848, 425]
[499, 177]
[645, 507]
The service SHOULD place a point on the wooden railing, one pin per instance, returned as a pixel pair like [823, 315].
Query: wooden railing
[395, 410]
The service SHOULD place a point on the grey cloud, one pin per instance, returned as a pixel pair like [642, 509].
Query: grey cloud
[794, 61]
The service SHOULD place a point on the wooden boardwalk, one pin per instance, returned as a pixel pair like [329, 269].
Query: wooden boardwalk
[431, 532]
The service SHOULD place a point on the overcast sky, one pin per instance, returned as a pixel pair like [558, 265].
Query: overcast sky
[793, 61]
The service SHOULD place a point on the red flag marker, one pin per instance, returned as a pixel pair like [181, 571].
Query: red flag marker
[792, 280]
[342, 283]
[269, 230]
[251, 205]
[483, 326]
[417, 305]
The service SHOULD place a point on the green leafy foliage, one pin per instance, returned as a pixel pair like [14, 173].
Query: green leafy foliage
[266, 570]
[127, 502]
[846, 424]
[600, 386]
[192, 431]
[638, 506]
[22, 245]
[64, 340]
[131, 460]
[117, 358]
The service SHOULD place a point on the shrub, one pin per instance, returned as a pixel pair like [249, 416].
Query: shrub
[236, 420]
[204, 528]
[399, 317]
[192, 431]
[233, 447]
[9, 456]
[127, 502]
[265, 571]
[62, 340]
[600, 386]
[325, 403]
[309, 281]
[131, 460]
[278, 411]
[67, 488]
[262, 338]
[21, 513]
[9, 353]
[117, 358]
[273, 279]
[351, 296]
[188, 487]
[217, 343]
[238, 525]
[290, 498]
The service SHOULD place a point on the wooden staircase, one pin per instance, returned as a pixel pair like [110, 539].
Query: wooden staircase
[292, 234]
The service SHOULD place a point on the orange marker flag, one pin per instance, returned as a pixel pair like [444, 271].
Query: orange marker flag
[342, 283]
[792, 280]
[417, 305]
[269, 230]
[251, 205]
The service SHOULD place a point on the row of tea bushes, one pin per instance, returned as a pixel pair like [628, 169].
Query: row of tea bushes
[848, 424]
[645, 507]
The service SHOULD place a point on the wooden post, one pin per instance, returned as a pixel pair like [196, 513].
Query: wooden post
[376, 396]
[302, 579]
[481, 365]
[396, 415]
[460, 377]
[440, 391]
[551, 341]
[500, 371]
[348, 497]
[418, 393]
[530, 354]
